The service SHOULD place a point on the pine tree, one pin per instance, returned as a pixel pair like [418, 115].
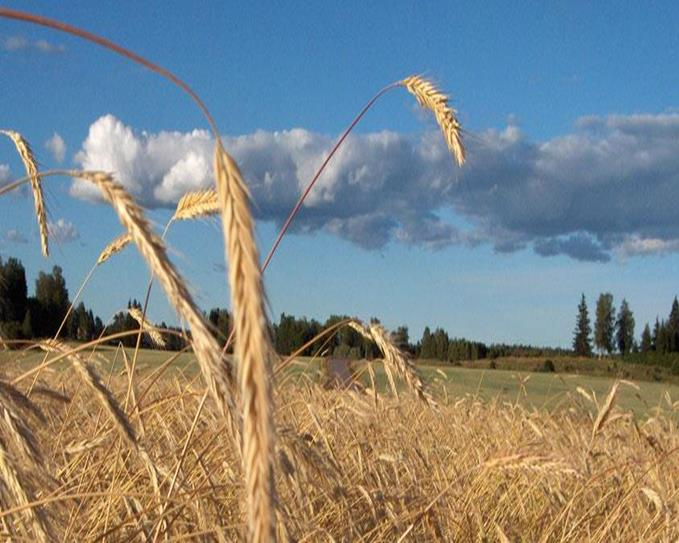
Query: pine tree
[673, 327]
[604, 327]
[581, 340]
[625, 329]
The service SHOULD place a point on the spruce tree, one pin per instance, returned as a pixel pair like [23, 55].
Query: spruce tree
[581, 337]
[673, 326]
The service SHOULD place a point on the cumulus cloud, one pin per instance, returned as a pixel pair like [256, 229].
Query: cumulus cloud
[19, 43]
[57, 146]
[14, 236]
[611, 185]
[63, 231]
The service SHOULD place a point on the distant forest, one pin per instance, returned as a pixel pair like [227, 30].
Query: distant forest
[40, 316]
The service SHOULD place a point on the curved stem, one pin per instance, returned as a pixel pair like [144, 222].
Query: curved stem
[108, 44]
[307, 190]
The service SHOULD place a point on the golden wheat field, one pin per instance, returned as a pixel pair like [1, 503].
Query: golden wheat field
[243, 451]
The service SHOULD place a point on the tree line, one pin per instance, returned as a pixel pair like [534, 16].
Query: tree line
[613, 332]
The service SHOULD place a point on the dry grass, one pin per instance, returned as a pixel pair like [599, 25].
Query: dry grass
[31, 165]
[351, 470]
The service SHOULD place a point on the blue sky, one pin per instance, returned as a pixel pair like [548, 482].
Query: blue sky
[573, 134]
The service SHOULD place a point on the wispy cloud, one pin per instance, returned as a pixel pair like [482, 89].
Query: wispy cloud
[57, 146]
[19, 43]
[610, 186]
[63, 231]
[14, 236]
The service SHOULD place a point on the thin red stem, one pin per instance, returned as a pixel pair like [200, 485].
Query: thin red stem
[307, 190]
[108, 44]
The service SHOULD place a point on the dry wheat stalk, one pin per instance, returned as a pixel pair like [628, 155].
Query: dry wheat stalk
[433, 99]
[114, 247]
[215, 368]
[20, 434]
[92, 379]
[252, 349]
[394, 359]
[605, 411]
[9, 475]
[196, 204]
[151, 330]
[110, 404]
[26, 154]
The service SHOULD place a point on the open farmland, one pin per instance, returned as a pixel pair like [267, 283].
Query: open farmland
[214, 427]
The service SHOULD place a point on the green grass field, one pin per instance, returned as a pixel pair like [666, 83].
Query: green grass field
[534, 389]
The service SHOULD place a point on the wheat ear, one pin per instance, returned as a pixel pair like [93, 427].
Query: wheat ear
[430, 97]
[196, 204]
[394, 359]
[604, 412]
[151, 330]
[215, 369]
[252, 349]
[26, 154]
[114, 247]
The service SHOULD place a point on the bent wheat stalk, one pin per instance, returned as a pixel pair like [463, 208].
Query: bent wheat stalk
[428, 96]
[215, 368]
[394, 360]
[26, 154]
[148, 328]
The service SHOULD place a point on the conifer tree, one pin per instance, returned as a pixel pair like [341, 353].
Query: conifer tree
[625, 329]
[581, 337]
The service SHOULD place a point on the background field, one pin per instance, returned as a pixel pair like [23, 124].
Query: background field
[521, 382]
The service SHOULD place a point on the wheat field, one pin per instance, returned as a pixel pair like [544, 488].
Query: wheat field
[242, 451]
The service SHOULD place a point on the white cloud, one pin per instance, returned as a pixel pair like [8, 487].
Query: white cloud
[57, 146]
[19, 43]
[611, 181]
[63, 231]
[14, 236]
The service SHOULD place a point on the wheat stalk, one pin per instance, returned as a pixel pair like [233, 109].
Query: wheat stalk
[196, 204]
[252, 349]
[110, 404]
[92, 379]
[215, 369]
[114, 247]
[430, 97]
[394, 359]
[604, 412]
[151, 330]
[28, 159]
[11, 479]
